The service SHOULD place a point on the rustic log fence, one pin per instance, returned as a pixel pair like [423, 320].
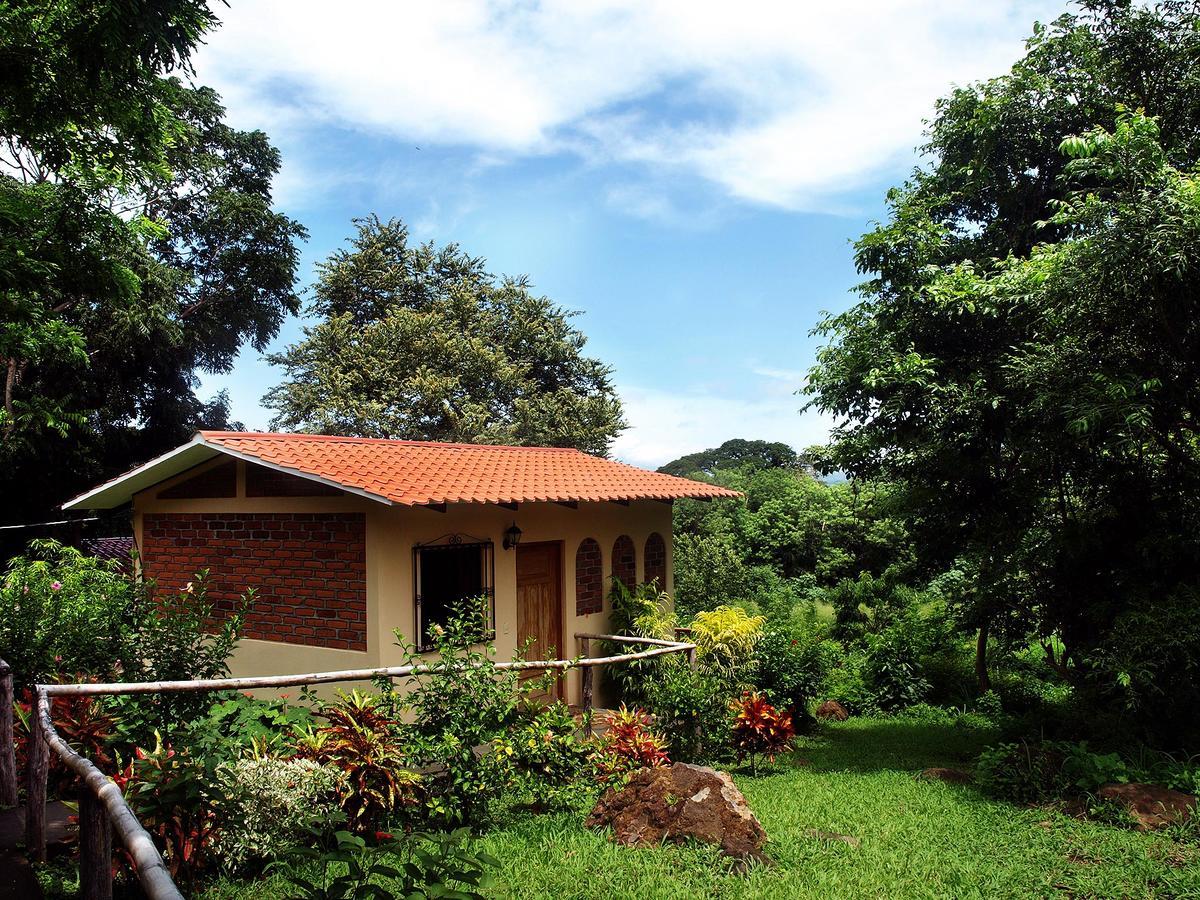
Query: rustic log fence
[102, 807]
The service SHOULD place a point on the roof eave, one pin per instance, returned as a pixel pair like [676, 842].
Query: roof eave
[121, 490]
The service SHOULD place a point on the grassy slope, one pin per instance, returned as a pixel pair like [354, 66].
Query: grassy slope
[918, 839]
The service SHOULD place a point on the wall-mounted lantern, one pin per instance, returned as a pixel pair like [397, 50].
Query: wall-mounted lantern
[512, 536]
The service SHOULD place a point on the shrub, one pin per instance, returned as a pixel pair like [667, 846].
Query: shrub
[643, 612]
[362, 743]
[1023, 772]
[462, 701]
[175, 796]
[239, 723]
[692, 706]
[893, 669]
[759, 729]
[546, 755]
[267, 805]
[629, 744]
[725, 639]
[61, 611]
[415, 866]
[81, 721]
[792, 662]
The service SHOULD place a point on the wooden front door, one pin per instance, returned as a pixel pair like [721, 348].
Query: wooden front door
[539, 603]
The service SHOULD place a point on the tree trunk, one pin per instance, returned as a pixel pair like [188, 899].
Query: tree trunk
[981, 666]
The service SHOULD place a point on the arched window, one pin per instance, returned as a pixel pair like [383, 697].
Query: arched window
[589, 578]
[655, 560]
[624, 561]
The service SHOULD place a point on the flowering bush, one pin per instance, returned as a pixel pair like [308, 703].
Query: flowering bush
[267, 805]
[759, 729]
[629, 744]
[63, 611]
[363, 743]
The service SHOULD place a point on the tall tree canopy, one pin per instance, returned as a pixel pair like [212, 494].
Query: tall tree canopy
[138, 246]
[422, 343]
[1026, 355]
[734, 454]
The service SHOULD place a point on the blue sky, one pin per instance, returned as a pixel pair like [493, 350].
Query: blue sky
[688, 176]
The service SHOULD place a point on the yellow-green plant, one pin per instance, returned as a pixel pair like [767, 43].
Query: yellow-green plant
[725, 638]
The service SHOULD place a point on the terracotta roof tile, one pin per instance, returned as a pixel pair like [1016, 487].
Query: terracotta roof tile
[418, 473]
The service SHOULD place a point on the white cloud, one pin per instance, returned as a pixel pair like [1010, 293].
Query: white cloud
[781, 103]
[665, 425]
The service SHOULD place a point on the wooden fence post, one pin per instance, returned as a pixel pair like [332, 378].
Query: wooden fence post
[8, 759]
[697, 731]
[95, 847]
[35, 788]
[585, 645]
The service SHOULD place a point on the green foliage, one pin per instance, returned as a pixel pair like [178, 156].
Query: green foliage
[734, 454]
[547, 757]
[138, 246]
[1017, 361]
[646, 611]
[268, 805]
[458, 702]
[691, 706]
[63, 611]
[237, 724]
[725, 639]
[422, 343]
[792, 663]
[418, 866]
[175, 795]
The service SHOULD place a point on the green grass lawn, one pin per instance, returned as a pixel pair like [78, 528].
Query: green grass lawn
[917, 838]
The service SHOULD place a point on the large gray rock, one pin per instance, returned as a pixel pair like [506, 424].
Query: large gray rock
[679, 802]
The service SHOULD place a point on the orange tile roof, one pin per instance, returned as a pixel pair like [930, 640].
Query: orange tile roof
[418, 473]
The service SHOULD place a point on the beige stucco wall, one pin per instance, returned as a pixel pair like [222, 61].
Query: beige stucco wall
[392, 531]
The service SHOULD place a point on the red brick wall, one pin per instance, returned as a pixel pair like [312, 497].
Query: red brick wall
[624, 561]
[589, 578]
[309, 569]
[655, 560]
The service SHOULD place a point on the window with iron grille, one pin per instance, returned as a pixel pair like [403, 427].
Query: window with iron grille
[447, 573]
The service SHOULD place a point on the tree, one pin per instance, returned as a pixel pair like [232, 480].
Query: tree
[420, 342]
[139, 246]
[731, 455]
[1042, 407]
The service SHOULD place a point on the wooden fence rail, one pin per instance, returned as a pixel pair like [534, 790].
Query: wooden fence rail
[103, 809]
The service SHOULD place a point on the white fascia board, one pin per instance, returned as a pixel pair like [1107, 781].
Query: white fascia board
[122, 489]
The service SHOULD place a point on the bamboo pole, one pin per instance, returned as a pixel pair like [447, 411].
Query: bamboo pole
[659, 648]
[95, 848]
[151, 870]
[37, 768]
[8, 759]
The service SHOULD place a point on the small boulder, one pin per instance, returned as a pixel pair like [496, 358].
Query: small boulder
[832, 710]
[679, 802]
[1152, 805]
[950, 776]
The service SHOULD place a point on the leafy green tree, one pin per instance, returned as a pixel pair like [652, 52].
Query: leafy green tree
[1042, 407]
[734, 454]
[138, 246]
[421, 342]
